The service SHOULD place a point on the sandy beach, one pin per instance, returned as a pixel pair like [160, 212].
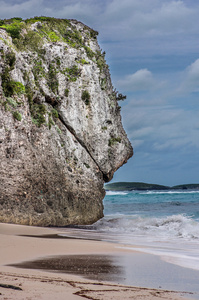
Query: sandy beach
[36, 264]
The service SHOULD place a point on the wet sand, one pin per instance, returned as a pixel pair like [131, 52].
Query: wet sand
[44, 266]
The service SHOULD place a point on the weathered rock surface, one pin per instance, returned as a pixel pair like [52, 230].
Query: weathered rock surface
[61, 135]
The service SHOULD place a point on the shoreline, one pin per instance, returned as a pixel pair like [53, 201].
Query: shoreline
[22, 244]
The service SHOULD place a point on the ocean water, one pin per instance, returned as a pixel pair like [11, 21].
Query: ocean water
[164, 223]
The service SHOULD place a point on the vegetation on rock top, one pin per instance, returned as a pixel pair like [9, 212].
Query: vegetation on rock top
[29, 36]
[51, 29]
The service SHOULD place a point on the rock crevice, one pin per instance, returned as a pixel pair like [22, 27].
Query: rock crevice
[72, 131]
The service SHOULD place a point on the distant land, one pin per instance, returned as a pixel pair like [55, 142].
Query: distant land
[131, 186]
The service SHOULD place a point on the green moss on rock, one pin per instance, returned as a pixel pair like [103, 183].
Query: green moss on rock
[11, 87]
[38, 112]
[50, 122]
[54, 113]
[86, 97]
[17, 116]
[12, 102]
[13, 27]
[30, 41]
[113, 141]
[52, 79]
[66, 92]
[10, 59]
[72, 73]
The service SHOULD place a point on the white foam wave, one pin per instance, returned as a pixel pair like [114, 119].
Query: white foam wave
[114, 193]
[172, 227]
[184, 257]
[168, 192]
[186, 261]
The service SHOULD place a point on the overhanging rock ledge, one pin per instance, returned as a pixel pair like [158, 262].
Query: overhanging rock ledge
[61, 135]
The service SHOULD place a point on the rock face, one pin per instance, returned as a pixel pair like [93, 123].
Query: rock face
[61, 135]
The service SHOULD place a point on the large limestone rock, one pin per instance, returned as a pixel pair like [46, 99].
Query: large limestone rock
[61, 135]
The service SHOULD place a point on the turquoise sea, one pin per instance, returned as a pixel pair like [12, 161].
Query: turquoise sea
[164, 223]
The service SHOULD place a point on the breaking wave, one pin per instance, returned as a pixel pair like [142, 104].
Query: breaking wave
[114, 193]
[166, 228]
[169, 192]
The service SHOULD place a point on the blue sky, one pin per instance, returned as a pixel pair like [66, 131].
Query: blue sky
[152, 48]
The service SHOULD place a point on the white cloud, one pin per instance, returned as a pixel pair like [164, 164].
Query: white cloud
[162, 128]
[82, 10]
[143, 132]
[193, 70]
[85, 11]
[139, 81]
[24, 9]
[166, 17]
[137, 143]
[190, 78]
[134, 18]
